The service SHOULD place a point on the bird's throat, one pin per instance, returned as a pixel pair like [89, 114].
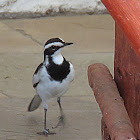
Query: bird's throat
[57, 59]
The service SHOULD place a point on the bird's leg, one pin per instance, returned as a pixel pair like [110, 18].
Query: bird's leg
[62, 115]
[45, 131]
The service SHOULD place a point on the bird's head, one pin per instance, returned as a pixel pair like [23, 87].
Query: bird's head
[54, 45]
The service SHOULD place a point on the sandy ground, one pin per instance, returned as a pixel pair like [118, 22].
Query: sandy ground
[21, 50]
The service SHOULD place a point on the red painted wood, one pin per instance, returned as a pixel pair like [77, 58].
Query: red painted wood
[111, 104]
[127, 14]
[127, 76]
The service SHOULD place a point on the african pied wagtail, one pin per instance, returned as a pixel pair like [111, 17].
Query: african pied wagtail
[52, 77]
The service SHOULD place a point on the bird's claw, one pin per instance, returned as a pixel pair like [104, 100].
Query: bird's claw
[46, 132]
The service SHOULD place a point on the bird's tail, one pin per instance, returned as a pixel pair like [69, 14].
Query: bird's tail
[35, 103]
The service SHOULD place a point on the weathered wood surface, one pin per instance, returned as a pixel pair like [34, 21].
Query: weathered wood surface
[111, 104]
[127, 77]
[126, 13]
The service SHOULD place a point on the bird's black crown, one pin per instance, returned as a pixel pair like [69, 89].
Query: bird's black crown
[52, 40]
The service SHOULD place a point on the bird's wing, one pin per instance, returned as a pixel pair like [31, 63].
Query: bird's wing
[36, 79]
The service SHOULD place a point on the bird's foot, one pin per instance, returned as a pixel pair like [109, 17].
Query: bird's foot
[61, 122]
[62, 119]
[46, 132]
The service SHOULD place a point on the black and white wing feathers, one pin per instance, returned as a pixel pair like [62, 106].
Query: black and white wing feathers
[36, 79]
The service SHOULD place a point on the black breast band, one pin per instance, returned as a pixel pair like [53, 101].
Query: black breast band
[58, 72]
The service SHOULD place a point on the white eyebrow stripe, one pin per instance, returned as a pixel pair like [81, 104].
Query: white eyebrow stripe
[61, 39]
[54, 43]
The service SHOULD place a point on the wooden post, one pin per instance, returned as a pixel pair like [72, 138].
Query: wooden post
[126, 14]
[127, 77]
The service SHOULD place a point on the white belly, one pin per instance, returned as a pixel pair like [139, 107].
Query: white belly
[50, 88]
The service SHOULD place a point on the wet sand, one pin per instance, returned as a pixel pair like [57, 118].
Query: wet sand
[21, 51]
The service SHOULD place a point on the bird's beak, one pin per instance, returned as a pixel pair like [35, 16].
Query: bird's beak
[66, 44]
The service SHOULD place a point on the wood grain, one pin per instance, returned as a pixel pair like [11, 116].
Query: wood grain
[127, 77]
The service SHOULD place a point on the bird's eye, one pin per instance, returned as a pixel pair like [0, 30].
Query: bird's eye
[53, 47]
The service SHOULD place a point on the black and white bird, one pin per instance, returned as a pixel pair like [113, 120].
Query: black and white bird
[52, 77]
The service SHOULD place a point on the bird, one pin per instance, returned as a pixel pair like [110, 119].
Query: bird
[51, 78]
